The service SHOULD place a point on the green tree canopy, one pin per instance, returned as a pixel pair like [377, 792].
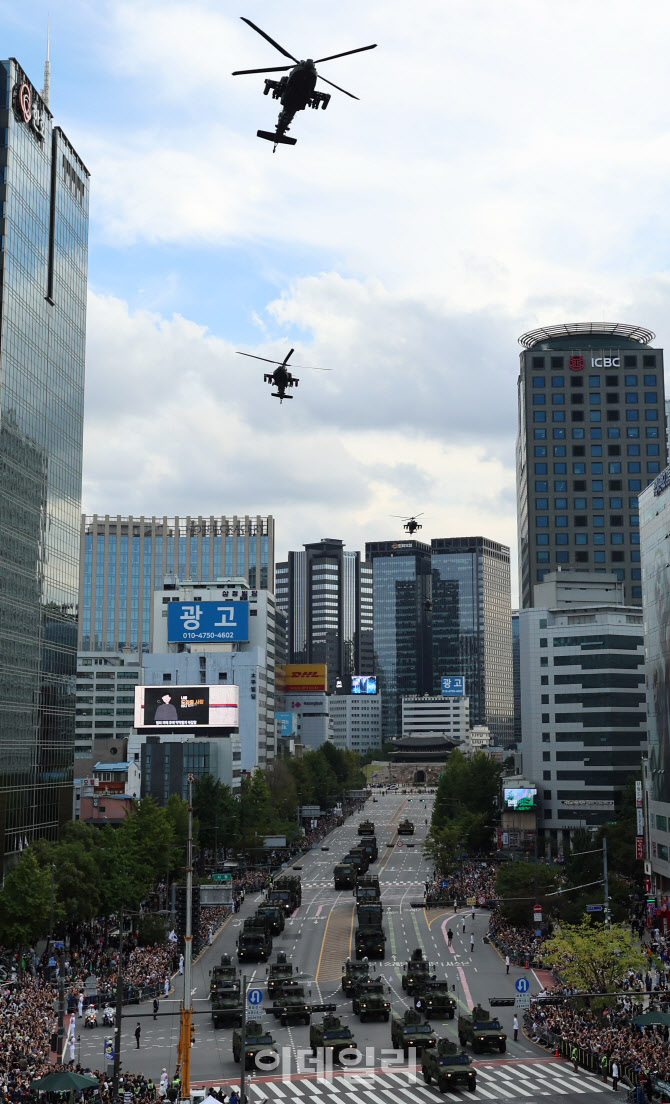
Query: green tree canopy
[25, 901]
[515, 887]
[593, 957]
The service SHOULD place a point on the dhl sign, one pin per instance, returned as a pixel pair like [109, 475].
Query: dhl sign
[305, 676]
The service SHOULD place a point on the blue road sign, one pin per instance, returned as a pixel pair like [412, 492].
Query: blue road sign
[522, 985]
[443, 885]
[255, 996]
[594, 908]
[538, 932]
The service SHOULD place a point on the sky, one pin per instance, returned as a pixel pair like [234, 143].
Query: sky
[507, 166]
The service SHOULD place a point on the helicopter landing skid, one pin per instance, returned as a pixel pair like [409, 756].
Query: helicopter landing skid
[276, 395]
[278, 139]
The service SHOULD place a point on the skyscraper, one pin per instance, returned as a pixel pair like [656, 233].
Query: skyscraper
[44, 188]
[472, 627]
[326, 596]
[401, 590]
[591, 437]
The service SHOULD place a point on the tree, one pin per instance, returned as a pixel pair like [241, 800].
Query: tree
[25, 901]
[468, 785]
[593, 958]
[442, 848]
[515, 887]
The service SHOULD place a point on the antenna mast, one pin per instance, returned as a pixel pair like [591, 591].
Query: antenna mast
[47, 73]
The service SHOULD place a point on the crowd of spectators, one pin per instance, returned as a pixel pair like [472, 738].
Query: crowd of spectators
[515, 940]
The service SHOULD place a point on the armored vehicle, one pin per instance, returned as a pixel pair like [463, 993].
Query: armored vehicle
[370, 938]
[411, 1030]
[481, 1031]
[406, 828]
[353, 973]
[434, 999]
[332, 1035]
[255, 1040]
[286, 892]
[369, 1000]
[448, 1067]
[255, 941]
[227, 1007]
[358, 857]
[344, 875]
[366, 828]
[367, 887]
[223, 976]
[369, 845]
[291, 1005]
[278, 971]
[416, 972]
[275, 916]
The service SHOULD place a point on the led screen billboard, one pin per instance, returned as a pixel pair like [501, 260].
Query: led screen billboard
[186, 706]
[520, 798]
[363, 684]
[453, 686]
[219, 622]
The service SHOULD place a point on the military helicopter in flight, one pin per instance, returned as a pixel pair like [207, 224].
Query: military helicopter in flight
[410, 523]
[297, 90]
[281, 378]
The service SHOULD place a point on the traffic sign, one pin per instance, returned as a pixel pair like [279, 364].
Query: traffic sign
[522, 985]
[522, 1000]
[255, 996]
[108, 1049]
[537, 913]
[444, 885]
[481, 900]
[222, 878]
[594, 908]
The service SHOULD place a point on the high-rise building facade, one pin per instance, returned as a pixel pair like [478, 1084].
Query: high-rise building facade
[472, 627]
[591, 437]
[326, 595]
[124, 560]
[516, 677]
[401, 593]
[44, 189]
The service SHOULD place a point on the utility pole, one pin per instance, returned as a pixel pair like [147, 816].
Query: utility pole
[61, 1007]
[243, 1066]
[184, 1047]
[51, 908]
[119, 1012]
[606, 884]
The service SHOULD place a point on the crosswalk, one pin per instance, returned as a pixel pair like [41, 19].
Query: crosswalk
[499, 1082]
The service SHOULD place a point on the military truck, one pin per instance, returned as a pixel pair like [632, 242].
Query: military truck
[369, 1000]
[434, 998]
[286, 893]
[291, 1004]
[448, 1066]
[279, 971]
[344, 875]
[411, 1030]
[481, 1031]
[255, 942]
[255, 1040]
[224, 975]
[331, 1035]
[227, 1007]
[275, 915]
[369, 845]
[358, 857]
[367, 887]
[416, 972]
[406, 828]
[366, 828]
[370, 939]
[353, 973]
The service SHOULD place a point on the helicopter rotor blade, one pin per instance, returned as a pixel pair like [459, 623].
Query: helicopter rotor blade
[299, 367]
[333, 85]
[254, 357]
[277, 69]
[289, 354]
[268, 39]
[359, 50]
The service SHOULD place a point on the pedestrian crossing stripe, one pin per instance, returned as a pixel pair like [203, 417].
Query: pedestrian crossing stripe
[511, 1081]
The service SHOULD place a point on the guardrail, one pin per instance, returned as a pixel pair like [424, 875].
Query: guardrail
[132, 994]
[586, 1058]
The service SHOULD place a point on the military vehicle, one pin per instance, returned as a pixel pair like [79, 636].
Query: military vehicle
[275, 915]
[279, 971]
[358, 857]
[411, 1030]
[367, 887]
[416, 972]
[286, 892]
[224, 975]
[227, 1007]
[434, 999]
[255, 942]
[481, 1031]
[332, 1035]
[369, 845]
[353, 973]
[369, 1000]
[255, 1040]
[344, 875]
[291, 1004]
[406, 828]
[448, 1066]
[370, 939]
[366, 828]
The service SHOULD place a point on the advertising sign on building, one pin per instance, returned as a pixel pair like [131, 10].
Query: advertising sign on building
[305, 676]
[639, 847]
[363, 684]
[285, 723]
[640, 821]
[453, 686]
[219, 622]
[186, 706]
[638, 794]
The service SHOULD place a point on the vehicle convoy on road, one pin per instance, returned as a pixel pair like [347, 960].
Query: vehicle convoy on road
[255, 1041]
[255, 942]
[353, 973]
[434, 998]
[367, 888]
[344, 875]
[448, 1066]
[291, 1005]
[369, 1000]
[279, 971]
[366, 828]
[331, 1035]
[369, 846]
[416, 972]
[275, 916]
[406, 828]
[227, 1007]
[411, 1030]
[286, 893]
[481, 1031]
[370, 938]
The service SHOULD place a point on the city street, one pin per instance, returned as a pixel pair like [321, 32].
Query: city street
[317, 940]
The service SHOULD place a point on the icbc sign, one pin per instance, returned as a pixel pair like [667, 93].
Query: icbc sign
[576, 363]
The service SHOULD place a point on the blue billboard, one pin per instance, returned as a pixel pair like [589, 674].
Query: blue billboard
[285, 723]
[453, 686]
[363, 684]
[220, 622]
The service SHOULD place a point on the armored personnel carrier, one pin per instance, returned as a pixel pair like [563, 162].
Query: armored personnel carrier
[353, 973]
[416, 972]
[448, 1066]
[406, 828]
[481, 1031]
[366, 828]
[255, 1041]
[279, 971]
[227, 1007]
[332, 1035]
[291, 1005]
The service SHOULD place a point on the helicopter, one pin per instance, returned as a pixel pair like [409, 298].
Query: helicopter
[410, 523]
[281, 378]
[297, 90]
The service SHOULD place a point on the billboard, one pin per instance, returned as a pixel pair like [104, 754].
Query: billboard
[186, 706]
[285, 722]
[305, 676]
[520, 798]
[363, 684]
[453, 686]
[219, 622]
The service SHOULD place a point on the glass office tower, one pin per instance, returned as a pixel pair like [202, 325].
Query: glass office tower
[472, 627]
[44, 188]
[401, 597]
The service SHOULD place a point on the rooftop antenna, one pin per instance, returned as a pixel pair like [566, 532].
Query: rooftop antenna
[47, 73]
